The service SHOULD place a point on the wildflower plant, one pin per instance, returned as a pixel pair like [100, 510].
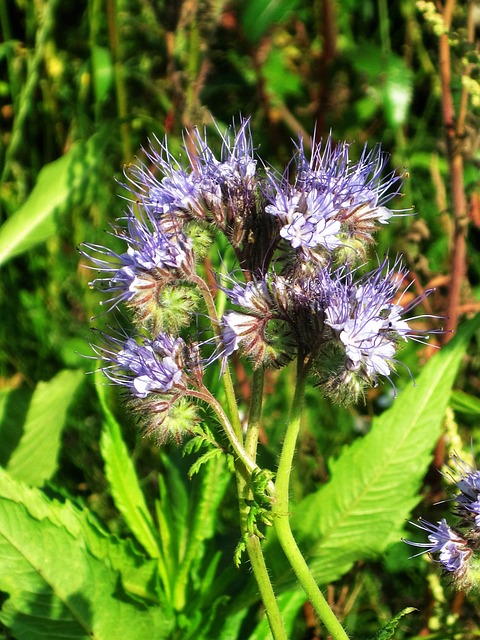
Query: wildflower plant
[298, 291]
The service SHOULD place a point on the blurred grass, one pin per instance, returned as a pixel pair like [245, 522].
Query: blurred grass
[108, 76]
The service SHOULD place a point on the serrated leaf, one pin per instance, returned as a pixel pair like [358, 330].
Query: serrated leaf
[203, 459]
[375, 482]
[388, 630]
[138, 573]
[208, 490]
[60, 577]
[123, 479]
[34, 459]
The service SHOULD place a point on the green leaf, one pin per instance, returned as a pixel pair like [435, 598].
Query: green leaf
[102, 66]
[232, 626]
[260, 15]
[388, 630]
[397, 91]
[279, 80]
[375, 482]
[34, 460]
[465, 403]
[34, 221]
[390, 80]
[205, 496]
[63, 574]
[14, 404]
[122, 477]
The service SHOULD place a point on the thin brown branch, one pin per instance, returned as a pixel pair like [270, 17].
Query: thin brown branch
[455, 161]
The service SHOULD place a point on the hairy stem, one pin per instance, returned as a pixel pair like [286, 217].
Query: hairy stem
[245, 465]
[120, 87]
[257, 560]
[281, 511]
[237, 446]
[253, 543]
[226, 377]
[255, 413]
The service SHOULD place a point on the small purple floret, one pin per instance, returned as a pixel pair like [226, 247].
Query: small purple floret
[453, 550]
[147, 367]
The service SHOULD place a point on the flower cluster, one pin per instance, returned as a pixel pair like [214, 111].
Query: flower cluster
[299, 288]
[454, 547]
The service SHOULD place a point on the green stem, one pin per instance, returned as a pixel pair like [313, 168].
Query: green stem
[255, 413]
[26, 100]
[226, 377]
[253, 544]
[281, 511]
[257, 560]
[119, 76]
[205, 395]
[247, 456]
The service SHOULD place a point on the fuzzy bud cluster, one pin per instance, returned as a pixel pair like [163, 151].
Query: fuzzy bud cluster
[297, 290]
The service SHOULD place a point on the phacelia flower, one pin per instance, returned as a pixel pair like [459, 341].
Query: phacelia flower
[349, 325]
[160, 365]
[452, 548]
[358, 191]
[307, 219]
[468, 498]
[153, 256]
[331, 199]
[288, 296]
[223, 191]
[365, 318]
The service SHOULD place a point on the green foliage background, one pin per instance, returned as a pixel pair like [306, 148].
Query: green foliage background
[84, 86]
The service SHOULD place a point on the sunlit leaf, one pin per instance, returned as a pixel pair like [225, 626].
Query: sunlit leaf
[34, 459]
[61, 582]
[102, 72]
[259, 15]
[57, 183]
[123, 479]
[465, 403]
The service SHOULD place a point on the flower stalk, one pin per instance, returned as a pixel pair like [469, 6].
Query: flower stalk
[281, 511]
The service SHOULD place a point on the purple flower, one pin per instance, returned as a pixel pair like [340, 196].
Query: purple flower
[306, 218]
[360, 189]
[454, 552]
[245, 331]
[237, 164]
[365, 318]
[149, 366]
[468, 500]
[331, 198]
[252, 296]
[173, 194]
[204, 186]
[327, 307]
[152, 255]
